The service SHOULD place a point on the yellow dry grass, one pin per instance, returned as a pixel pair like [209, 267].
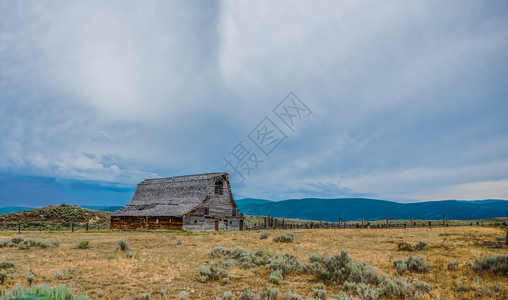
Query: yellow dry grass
[160, 264]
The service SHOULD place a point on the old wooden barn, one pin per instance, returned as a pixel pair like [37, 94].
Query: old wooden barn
[201, 202]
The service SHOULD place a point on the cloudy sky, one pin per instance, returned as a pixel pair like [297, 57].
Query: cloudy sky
[406, 100]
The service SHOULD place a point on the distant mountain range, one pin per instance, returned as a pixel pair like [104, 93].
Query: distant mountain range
[352, 209]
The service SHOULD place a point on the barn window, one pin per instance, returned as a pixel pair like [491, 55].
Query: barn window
[234, 212]
[218, 186]
[206, 210]
[195, 221]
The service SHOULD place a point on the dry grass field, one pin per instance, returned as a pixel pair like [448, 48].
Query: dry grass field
[164, 267]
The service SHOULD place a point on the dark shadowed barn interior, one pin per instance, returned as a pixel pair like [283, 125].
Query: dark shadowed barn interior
[202, 202]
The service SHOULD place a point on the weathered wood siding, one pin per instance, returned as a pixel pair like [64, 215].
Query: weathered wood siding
[146, 223]
[209, 223]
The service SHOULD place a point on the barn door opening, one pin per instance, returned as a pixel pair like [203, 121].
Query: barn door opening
[216, 225]
[241, 225]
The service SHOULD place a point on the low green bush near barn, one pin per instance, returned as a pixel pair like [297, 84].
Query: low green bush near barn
[84, 245]
[284, 238]
[264, 235]
[123, 245]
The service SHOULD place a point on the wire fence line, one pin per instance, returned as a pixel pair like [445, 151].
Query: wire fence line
[267, 223]
[34, 226]
[281, 223]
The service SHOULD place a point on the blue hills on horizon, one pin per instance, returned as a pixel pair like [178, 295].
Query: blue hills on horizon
[352, 209]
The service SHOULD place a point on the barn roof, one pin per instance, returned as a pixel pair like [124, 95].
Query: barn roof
[171, 196]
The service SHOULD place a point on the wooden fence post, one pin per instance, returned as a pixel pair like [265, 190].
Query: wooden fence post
[19, 228]
[72, 227]
[340, 223]
[362, 222]
[443, 220]
[506, 239]
[386, 221]
[411, 221]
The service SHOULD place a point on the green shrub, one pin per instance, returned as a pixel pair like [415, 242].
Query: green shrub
[398, 287]
[403, 246]
[3, 276]
[84, 245]
[247, 295]
[287, 264]
[262, 257]
[316, 258]
[417, 264]
[333, 268]
[24, 245]
[215, 271]
[400, 266]
[420, 286]
[55, 293]
[241, 256]
[453, 265]
[276, 276]
[144, 296]
[492, 264]
[291, 296]
[5, 264]
[131, 254]
[29, 278]
[17, 239]
[270, 293]
[228, 296]
[320, 293]
[264, 235]
[56, 243]
[341, 296]
[284, 238]
[5, 243]
[220, 252]
[123, 245]
[61, 274]
[363, 273]
[420, 245]
[182, 295]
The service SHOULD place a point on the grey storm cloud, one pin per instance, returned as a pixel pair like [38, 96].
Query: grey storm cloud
[408, 97]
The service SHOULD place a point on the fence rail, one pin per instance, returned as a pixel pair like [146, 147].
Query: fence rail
[268, 223]
[281, 223]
